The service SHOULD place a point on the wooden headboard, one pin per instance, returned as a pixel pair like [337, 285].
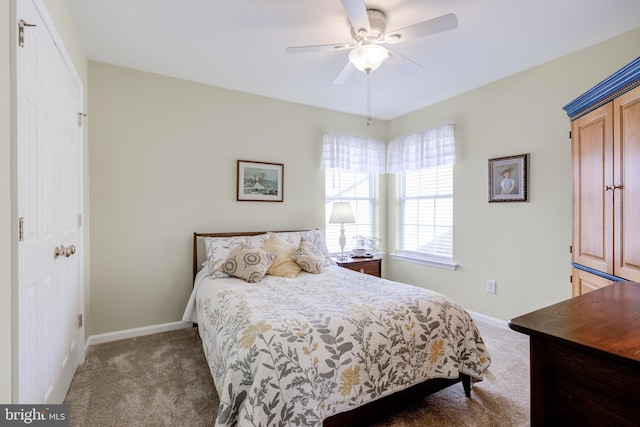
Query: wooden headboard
[197, 261]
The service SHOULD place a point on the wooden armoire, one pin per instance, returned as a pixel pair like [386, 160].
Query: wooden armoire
[605, 139]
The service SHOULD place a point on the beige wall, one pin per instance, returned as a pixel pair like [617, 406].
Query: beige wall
[523, 246]
[8, 216]
[6, 229]
[163, 165]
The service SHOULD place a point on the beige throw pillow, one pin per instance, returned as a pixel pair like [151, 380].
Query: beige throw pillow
[309, 257]
[248, 263]
[219, 249]
[283, 265]
[314, 237]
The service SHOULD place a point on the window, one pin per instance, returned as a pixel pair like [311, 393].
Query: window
[424, 164]
[426, 214]
[359, 189]
[351, 164]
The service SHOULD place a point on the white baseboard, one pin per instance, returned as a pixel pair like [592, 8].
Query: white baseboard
[136, 332]
[490, 320]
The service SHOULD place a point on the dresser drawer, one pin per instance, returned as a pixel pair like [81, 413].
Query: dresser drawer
[372, 266]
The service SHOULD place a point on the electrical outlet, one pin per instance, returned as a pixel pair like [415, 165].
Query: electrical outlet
[491, 286]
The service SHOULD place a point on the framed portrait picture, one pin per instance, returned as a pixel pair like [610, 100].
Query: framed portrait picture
[508, 179]
[260, 181]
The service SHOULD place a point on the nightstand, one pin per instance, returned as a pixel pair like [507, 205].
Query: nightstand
[372, 266]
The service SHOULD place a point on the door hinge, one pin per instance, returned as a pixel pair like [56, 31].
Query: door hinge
[21, 25]
[79, 321]
[79, 220]
[570, 249]
[569, 134]
[570, 279]
[21, 229]
[80, 117]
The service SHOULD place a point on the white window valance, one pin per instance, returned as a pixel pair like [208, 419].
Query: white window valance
[432, 147]
[352, 153]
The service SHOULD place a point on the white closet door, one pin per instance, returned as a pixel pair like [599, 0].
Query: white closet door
[49, 203]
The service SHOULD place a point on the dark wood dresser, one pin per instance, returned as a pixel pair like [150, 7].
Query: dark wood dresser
[585, 359]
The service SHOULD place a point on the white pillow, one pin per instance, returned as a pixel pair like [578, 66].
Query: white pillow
[218, 250]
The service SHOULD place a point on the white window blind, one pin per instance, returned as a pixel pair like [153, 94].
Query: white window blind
[426, 213]
[358, 188]
[350, 165]
[424, 162]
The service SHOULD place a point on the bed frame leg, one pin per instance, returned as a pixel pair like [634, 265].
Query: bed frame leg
[466, 383]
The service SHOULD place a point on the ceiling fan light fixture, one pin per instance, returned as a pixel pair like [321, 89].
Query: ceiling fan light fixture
[368, 57]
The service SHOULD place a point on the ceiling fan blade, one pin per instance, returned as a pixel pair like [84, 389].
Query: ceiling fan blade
[344, 74]
[357, 14]
[432, 26]
[403, 63]
[317, 47]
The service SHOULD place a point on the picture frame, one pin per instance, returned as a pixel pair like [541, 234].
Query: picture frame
[259, 181]
[508, 179]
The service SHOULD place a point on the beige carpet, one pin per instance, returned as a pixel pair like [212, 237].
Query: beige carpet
[163, 380]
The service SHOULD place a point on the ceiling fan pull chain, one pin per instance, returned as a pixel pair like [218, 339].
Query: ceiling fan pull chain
[368, 98]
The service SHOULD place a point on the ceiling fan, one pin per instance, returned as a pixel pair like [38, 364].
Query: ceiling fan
[368, 48]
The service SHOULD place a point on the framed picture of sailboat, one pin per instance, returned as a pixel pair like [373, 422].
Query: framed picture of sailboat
[260, 181]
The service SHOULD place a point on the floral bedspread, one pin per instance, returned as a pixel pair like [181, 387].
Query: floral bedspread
[296, 351]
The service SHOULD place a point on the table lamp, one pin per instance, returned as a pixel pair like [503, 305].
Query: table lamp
[341, 213]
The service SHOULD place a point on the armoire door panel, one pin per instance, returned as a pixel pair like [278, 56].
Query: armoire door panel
[592, 143]
[583, 282]
[627, 178]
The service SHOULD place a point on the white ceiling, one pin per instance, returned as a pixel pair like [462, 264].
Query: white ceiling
[240, 44]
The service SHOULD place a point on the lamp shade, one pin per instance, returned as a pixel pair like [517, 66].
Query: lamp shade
[368, 57]
[341, 213]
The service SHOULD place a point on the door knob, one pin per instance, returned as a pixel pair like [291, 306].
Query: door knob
[61, 250]
[58, 251]
[70, 251]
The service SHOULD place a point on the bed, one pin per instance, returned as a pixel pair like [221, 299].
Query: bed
[326, 346]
